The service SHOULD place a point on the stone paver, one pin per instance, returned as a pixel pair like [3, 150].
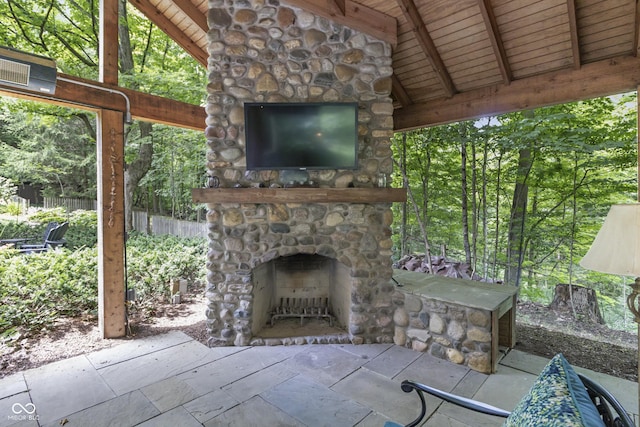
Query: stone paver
[393, 361]
[210, 405]
[236, 366]
[325, 364]
[254, 412]
[314, 404]
[175, 417]
[382, 395]
[180, 382]
[150, 368]
[123, 411]
[254, 384]
[136, 348]
[170, 393]
[65, 387]
[15, 410]
[13, 384]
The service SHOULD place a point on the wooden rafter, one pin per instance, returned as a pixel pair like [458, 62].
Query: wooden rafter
[108, 69]
[636, 33]
[353, 15]
[602, 78]
[199, 18]
[399, 93]
[171, 30]
[573, 28]
[144, 107]
[419, 28]
[496, 41]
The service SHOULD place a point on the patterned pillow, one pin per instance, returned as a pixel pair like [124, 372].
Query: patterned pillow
[557, 398]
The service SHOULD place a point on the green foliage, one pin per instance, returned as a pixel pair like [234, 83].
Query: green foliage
[7, 190]
[584, 158]
[38, 289]
[13, 208]
[51, 146]
[45, 216]
[56, 147]
[177, 167]
[10, 229]
[83, 228]
[153, 262]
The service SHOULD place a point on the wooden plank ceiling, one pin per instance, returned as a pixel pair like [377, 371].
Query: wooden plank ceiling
[449, 55]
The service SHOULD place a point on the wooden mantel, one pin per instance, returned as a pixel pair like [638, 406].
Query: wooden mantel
[298, 195]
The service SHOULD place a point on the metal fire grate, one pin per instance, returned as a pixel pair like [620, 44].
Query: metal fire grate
[302, 307]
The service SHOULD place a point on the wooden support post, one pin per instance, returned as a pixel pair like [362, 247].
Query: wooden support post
[111, 235]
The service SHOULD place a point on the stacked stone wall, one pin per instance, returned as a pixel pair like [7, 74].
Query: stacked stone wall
[264, 51]
[445, 330]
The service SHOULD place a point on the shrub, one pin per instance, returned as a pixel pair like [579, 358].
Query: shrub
[37, 289]
[7, 189]
[10, 229]
[153, 262]
[83, 229]
[13, 208]
[45, 216]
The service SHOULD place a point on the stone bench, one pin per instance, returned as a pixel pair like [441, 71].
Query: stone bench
[462, 321]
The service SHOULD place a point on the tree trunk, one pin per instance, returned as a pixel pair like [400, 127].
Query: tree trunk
[517, 219]
[585, 302]
[137, 169]
[403, 167]
[464, 196]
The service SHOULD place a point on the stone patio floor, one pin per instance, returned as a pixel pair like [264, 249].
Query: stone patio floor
[173, 380]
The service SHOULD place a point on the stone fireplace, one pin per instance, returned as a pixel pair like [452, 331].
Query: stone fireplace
[275, 259]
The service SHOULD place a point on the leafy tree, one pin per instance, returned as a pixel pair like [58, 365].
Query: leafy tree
[7, 190]
[573, 160]
[149, 61]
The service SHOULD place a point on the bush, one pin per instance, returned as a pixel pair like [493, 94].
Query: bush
[38, 289]
[83, 227]
[45, 216]
[153, 262]
[10, 229]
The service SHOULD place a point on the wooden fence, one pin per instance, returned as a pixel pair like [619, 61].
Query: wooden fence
[159, 225]
[150, 224]
[70, 204]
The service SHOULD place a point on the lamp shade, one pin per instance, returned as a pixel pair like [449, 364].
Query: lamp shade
[616, 248]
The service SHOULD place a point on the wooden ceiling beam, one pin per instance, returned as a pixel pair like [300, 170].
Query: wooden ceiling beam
[606, 77]
[155, 16]
[108, 68]
[636, 31]
[412, 15]
[75, 92]
[199, 18]
[353, 15]
[398, 92]
[496, 41]
[573, 29]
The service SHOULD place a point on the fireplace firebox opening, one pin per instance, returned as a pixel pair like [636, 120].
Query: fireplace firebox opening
[300, 294]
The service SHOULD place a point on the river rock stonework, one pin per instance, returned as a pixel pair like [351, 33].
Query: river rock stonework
[268, 52]
[448, 331]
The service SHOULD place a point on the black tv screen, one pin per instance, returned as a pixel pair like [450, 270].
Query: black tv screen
[301, 135]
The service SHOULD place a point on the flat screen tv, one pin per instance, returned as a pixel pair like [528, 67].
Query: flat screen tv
[301, 135]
